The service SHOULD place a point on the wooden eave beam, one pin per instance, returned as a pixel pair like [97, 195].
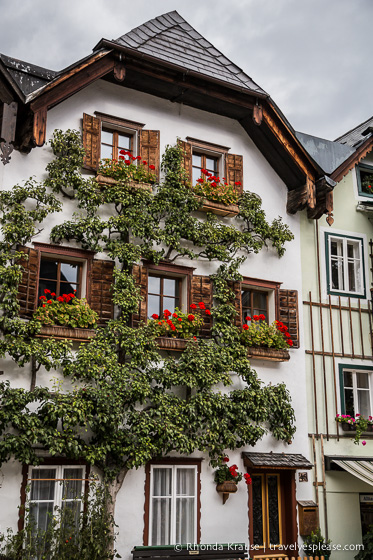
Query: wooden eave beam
[353, 160]
[6, 95]
[63, 88]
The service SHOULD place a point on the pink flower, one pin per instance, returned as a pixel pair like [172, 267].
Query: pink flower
[363, 442]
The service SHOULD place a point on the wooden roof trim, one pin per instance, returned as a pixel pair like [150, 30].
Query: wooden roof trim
[354, 159]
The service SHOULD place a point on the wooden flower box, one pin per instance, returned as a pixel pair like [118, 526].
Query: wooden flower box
[61, 333]
[346, 427]
[175, 344]
[226, 488]
[218, 208]
[271, 354]
[103, 180]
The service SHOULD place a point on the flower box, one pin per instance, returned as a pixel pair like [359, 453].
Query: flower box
[226, 488]
[346, 427]
[271, 354]
[103, 180]
[169, 343]
[58, 332]
[218, 208]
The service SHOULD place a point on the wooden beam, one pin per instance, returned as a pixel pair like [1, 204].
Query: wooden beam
[258, 114]
[297, 199]
[6, 95]
[40, 126]
[8, 131]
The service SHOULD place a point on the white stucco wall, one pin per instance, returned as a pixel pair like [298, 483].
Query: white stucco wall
[228, 523]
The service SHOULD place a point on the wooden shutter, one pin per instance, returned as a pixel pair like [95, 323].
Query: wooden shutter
[100, 296]
[140, 274]
[91, 141]
[237, 303]
[201, 290]
[150, 148]
[288, 313]
[27, 295]
[187, 157]
[234, 170]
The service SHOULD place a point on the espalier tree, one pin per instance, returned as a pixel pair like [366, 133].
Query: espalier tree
[128, 404]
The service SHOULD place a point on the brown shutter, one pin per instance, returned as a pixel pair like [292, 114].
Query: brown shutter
[187, 157]
[27, 287]
[100, 297]
[91, 141]
[140, 274]
[234, 170]
[237, 303]
[201, 290]
[150, 148]
[288, 313]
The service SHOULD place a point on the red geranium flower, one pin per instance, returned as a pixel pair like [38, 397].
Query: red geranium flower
[191, 317]
[166, 313]
[179, 319]
[245, 327]
[145, 162]
[121, 157]
[47, 291]
[262, 317]
[290, 342]
[201, 305]
[42, 297]
[60, 299]
[49, 301]
[155, 316]
[200, 180]
[152, 167]
[238, 183]
[287, 335]
[174, 315]
[226, 459]
[127, 162]
[248, 318]
[256, 317]
[53, 294]
[208, 312]
[193, 306]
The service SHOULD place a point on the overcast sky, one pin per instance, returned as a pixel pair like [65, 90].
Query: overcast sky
[312, 56]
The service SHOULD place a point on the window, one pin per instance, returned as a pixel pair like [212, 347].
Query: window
[254, 302]
[364, 175]
[60, 276]
[266, 515]
[163, 293]
[112, 141]
[54, 486]
[173, 494]
[202, 161]
[356, 390]
[345, 266]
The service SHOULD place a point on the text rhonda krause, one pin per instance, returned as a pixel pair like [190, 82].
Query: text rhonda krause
[193, 547]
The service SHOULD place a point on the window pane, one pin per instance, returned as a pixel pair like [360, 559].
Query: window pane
[257, 510]
[336, 247]
[48, 269]
[72, 489]
[362, 380]
[349, 402]
[42, 489]
[106, 152]
[69, 272]
[273, 513]
[197, 160]
[259, 300]
[154, 285]
[351, 277]
[162, 481]
[347, 376]
[212, 164]
[170, 304]
[185, 520]
[337, 274]
[363, 403]
[41, 514]
[154, 305]
[161, 521]
[246, 298]
[46, 285]
[124, 142]
[185, 479]
[196, 174]
[107, 137]
[170, 287]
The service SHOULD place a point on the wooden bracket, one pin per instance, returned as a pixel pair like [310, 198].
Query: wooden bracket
[258, 114]
[40, 126]
[119, 71]
[8, 131]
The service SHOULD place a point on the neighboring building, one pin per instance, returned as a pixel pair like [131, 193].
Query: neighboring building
[337, 264]
[141, 92]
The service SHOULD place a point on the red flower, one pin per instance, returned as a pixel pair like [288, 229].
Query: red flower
[47, 291]
[159, 323]
[201, 305]
[256, 317]
[262, 317]
[204, 171]
[290, 342]
[248, 318]
[49, 301]
[138, 157]
[191, 317]
[42, 297]
[287, 335]
[208, 312]
[248, 479]
[173, 328]
[238, 183]
[127, 162]
[123, 152]
[200, 180]
[121, 157]
[193, 306]
[155, 316]
[166, 313]
[145, 162]
[226, 459]
[245, 327]
[152, 167]
[60, 299]
[43, 304]
[53, 294]
[194, 338]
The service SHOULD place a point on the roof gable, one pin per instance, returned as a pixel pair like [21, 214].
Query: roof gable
[329, 155]
[355, 136]
[171, 39]
[25, 76]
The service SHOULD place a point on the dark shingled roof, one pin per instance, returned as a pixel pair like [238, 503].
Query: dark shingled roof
[170, 38]
[355, 136]
[329, 155]
[284, 460]
[27, 77]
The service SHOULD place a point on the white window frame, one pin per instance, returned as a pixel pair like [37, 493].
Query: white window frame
[355, 389]
[174, 468]
[58, 486]
[345, 259]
